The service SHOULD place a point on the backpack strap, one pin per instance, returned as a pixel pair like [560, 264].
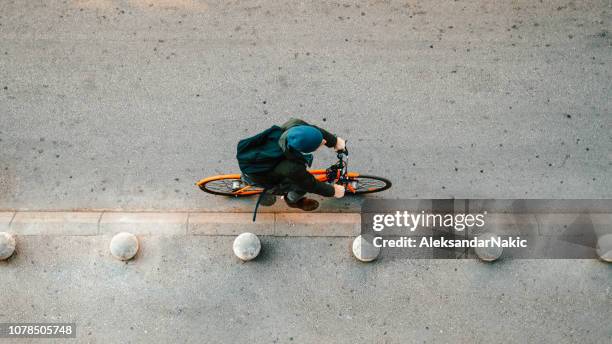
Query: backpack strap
[261, 195]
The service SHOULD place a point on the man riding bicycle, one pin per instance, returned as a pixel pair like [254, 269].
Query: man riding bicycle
[287, 161]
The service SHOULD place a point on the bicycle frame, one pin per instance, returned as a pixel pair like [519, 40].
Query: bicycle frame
[337, 173]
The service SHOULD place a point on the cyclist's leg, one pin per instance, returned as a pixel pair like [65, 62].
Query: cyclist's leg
[268, 199]
[291, 192]
[295, 195]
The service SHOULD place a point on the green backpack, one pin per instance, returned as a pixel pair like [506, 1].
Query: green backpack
[260, 153]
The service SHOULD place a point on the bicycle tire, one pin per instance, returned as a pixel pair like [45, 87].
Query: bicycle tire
[222, 186]
[369, 187]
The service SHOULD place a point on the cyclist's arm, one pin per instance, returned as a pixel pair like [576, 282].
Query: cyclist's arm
[307, 182]
[330, 139]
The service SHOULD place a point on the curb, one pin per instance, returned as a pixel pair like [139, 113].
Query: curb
[143, 223]
[5, 220]
[105, 223]
[54, 223]
[230, 224]
[323, 224]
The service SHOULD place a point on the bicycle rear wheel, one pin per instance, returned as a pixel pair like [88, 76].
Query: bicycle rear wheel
[228, 185]
[363, 184]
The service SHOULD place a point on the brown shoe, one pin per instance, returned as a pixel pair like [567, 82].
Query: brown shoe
[306, 204]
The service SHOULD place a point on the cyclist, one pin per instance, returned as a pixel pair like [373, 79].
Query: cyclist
[290, 176]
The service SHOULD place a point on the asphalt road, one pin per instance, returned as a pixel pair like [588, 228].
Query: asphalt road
[188, 289]
[125, 104]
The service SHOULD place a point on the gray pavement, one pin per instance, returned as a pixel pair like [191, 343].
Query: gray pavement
[183, 289]
[124, 104]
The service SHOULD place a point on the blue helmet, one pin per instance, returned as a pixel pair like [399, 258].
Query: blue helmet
[304, 138]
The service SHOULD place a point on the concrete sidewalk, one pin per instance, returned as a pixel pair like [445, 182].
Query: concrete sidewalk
[191, 289]
[185, 283]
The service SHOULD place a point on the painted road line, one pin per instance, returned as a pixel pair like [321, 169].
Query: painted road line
[55, 223]
[230, 223]
[318, 224]
[144, 223]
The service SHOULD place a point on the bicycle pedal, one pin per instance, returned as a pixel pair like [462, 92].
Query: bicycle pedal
[236, 185]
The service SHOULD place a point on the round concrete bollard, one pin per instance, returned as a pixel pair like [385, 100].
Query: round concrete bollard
[7, 245]
[247, 246]
[488, 254]
[604, 248]
[124, 246]
[364, 250]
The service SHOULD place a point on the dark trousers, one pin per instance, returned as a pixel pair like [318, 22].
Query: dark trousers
[291, 191]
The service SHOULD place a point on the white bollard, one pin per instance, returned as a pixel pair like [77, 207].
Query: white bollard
[604, 248]
[247, 246]
[488, 254]
[7, 245]
[364, 250]
[124, 246]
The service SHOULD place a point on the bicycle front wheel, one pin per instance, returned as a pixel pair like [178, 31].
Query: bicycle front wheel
[363, 184]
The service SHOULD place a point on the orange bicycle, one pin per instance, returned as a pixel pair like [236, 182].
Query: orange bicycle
[238, 186]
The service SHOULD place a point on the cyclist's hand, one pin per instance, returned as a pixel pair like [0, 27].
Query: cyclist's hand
[338, 190]
[340, 144]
